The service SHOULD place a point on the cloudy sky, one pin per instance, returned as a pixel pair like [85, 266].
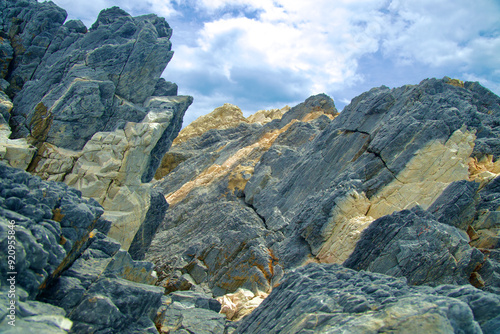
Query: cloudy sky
[261, 54]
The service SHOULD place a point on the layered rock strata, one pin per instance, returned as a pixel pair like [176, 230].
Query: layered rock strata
[333, 299]
[88, 107]
[68, 275]
[252, 202]
[210, 235]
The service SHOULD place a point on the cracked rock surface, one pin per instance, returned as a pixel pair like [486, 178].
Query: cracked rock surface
[320, 298]
[251, 202]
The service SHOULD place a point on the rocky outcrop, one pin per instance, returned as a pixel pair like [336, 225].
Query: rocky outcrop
[190, 312]
[412, 244]
[332, 299]
[210, 235]
[86, 107]
[225, 117]
[52, 225]
[402, 182]
[96, 121]
[388, 151]
[68, 274]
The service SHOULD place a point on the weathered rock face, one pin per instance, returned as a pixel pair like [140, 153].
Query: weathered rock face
[190, 312]
[388, 151]
[86, 107]
[332, 299]
[52, 225]
[91, 105]
[210, 235]
[412, 244]
[82, 280]
[225, 117]
[402, 182]
[78, 73]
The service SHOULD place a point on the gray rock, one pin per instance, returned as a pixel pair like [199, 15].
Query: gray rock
[330, 298]
[178, 105]
[147, 231]
[191, 312]
[31, 315]
[165, 88]
[456, 205]
[62, 260]
[75, 82]
[216, 239]
[196, 299]
[412, 244]
[126, 303]
[308, 172]
[41, 211]
[6, 55]
[226, 236]
[485, 306]
[31, 28]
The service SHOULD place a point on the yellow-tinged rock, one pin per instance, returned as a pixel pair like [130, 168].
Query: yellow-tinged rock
[266, 116]
[426, 175]
[241, 303]
[16, 152]
[344, 228]
[423, 180]
[227, 116]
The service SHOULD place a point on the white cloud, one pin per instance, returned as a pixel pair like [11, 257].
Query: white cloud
[322, 41]
[442, 32]
[257, 53]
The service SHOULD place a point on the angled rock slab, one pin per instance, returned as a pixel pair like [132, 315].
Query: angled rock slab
[333, 299]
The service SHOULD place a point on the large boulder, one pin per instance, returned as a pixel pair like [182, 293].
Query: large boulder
[81, 279]
[332, 299]
[88, 106]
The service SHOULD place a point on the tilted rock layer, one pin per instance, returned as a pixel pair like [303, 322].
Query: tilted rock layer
[90, 104]
[63, 257]
[402, 182]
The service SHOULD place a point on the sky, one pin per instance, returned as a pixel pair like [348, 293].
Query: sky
[264, 54]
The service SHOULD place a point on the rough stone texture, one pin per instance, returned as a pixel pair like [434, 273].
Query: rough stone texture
[93, 104]
[148, 228]
[230, 116]
[309, 184]
[52, 222]
[412, 244]
[32, 316]
[76, 72]
[473, 206]
[240, 304]
[387, 151]
[63, 259]
[227, 116]
[16, 152]
[332, 299]
[6, 55]
[210, 235]
[190, 312]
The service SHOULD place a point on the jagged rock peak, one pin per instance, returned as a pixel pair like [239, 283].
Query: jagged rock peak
[93, 107]
[292, 191]
[107, 73]
[111, 15]
[226, 116]
[229, 116]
